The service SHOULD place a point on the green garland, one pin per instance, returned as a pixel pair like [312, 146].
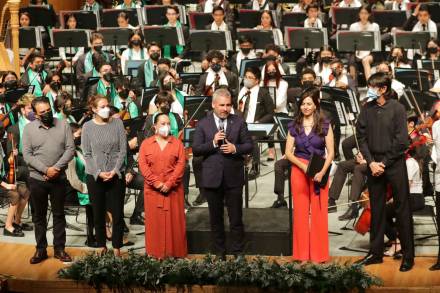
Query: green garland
[142, 271]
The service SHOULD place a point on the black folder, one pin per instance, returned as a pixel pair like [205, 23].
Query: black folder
[315, 166]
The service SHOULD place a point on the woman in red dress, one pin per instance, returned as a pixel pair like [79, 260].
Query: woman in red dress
[162, 163]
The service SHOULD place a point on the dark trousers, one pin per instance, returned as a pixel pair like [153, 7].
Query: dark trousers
[233, 199]
[55, 191]
[358, 180]
[348, 145]
[395, 175]
[138, 184]
[281, 170]
[107, 195]
[437, 218]
[197, 169]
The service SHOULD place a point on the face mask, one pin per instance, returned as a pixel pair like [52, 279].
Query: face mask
[67, 111]
[77, 141]
[432, 50]
[10, 84]
[165, 109]
[2, 98]
[271, 58]
[245, 51]
[164, 131]
[47, 118]
[30, 116]
[136, 42]
[55, 85]
[104, 113]
[38, 67]
[372, 94]
[308, 84]
[108, 76]
[216, 67]
[124, 94]
[272, 75]
[155, 56]
[248, 83]
[326, 59]
[168, 86]
[98, 48]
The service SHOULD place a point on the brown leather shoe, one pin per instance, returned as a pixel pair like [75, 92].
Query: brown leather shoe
[39, 256]
[62, 256]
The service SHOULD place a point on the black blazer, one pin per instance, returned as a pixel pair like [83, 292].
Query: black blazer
[265, 107]
[232, 84]
[220, 169]
[140, 78]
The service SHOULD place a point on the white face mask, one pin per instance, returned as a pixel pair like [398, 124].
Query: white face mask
[104, 113]
[164, 131]
[248, 83]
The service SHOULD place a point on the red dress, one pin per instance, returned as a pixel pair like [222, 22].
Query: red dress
[165, 225]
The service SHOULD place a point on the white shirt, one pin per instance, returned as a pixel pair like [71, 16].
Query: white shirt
[398, 87]
[414, 176]
[252, 102]
[211, 77]
[436, 86]
[241, 56]
[324, 73]
[209, 5]
[122, 6]
[217, 122]
[354, 3]
[63, 51]
[280, 68]
[281, 95]
[256, 5]
[431, 27]
[436, 152]
[135, 55]
[395, 5]
[343, 78]
[297, 8]
[222, 27]
[369, 27]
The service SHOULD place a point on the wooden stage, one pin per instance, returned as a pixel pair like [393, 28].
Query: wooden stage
[17, 275]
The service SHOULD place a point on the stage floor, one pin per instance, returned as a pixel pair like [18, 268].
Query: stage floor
[20, 276]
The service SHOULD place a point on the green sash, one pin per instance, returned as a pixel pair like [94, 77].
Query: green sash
[102, 90]
[38, 91]
[51, 101]
[148, 72]
[88, 64]
[132, 5]
[81, 173]
[11, 115]
[132, 108]
[167, 48]
[22, 122]
[180, 96]
[60, 116]
[173, 124]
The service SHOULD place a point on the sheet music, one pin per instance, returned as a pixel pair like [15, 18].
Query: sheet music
[353, 101]
[340, 111]
[180, 37]
[228, 40]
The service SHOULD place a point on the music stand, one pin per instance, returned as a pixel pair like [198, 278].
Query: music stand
[84, 19]
[163, 35]
[283, 123]
[245, 63]
[337, 109]
[199, 20]
[345, 15]
[41, 15]
[305, 38]
[147, 95]
[293, 19]
[411, 40]
[248, 18]
[351, 104]
[428, 64]
[132, 67]
[196, 107]
[155, 14]
[188, 136]
[260, 38]
[415, 79]
[109, 17]
[189, 79]
[349, 41]
[261, 130]
[293, 80]
[70, 38]
[30, 37]
[389, 18]
[13, 95]
[206, 40]
[424, 99]
[115, 36]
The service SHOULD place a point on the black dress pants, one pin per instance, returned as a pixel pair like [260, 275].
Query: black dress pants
[137, 183]
[233, 199]
[41, 192]
[395, 175]
[358, 180]
[107, 195]
[281, 169]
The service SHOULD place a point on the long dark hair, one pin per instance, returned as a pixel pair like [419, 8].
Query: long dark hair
[318, 119]
[266, 77]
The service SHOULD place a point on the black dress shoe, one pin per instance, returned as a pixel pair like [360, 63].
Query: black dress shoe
[24, 226]
[370, 259]
[91, 242]
[126, 230]
[128, 243]
[38, 257]
[279, 204]
[407, 265]
[199, 200]
[138, 220]
[332, 206]
[351, 213]
[14, 233]
[436, 266]
[62, 256]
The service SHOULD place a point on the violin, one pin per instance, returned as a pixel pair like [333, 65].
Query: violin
[209, 90]
[5, 119]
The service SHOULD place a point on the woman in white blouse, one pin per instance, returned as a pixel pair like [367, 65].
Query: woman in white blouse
[364, 24]
[273, 79]
[322, 68]
[267, 23]
[75, 52]
[135, 50]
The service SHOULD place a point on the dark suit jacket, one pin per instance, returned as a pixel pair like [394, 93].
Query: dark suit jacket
[265, 107]
[220, 169]
[140, 78]
[232, 84]
[24, 80]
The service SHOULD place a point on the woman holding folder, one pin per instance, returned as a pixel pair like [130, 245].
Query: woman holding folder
[310, 135]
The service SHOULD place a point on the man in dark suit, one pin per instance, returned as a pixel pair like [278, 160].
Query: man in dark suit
[216, 75]
[35, 74]
[148, 71]
[222, 139]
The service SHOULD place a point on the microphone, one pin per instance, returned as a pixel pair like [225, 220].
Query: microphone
[221, 127]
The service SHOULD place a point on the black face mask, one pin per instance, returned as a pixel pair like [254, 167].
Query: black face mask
[55, 85]
[245, 51]
[10, 84]
[216, 67]
[136, 42]
[77, 141]
[308, 84]
[2, 98]
[38, 68]
[124, 94]
[67, 111]
[98, 49]
[271, 58]
[165, 109]
[47, 118]
[108, 76]
[432, 50]
[326, 59]
[272, 75]
[395, 58]
[155, 56]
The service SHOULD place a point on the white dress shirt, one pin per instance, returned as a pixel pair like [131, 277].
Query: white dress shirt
[211, 77]
[256, 5]
[241, 56]
[222, 27]
[436, 152]
[414, 176]
[64, 50]
[210, 4]
[324, 73]
[252, 102]
[281, 96]
[135, 55]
